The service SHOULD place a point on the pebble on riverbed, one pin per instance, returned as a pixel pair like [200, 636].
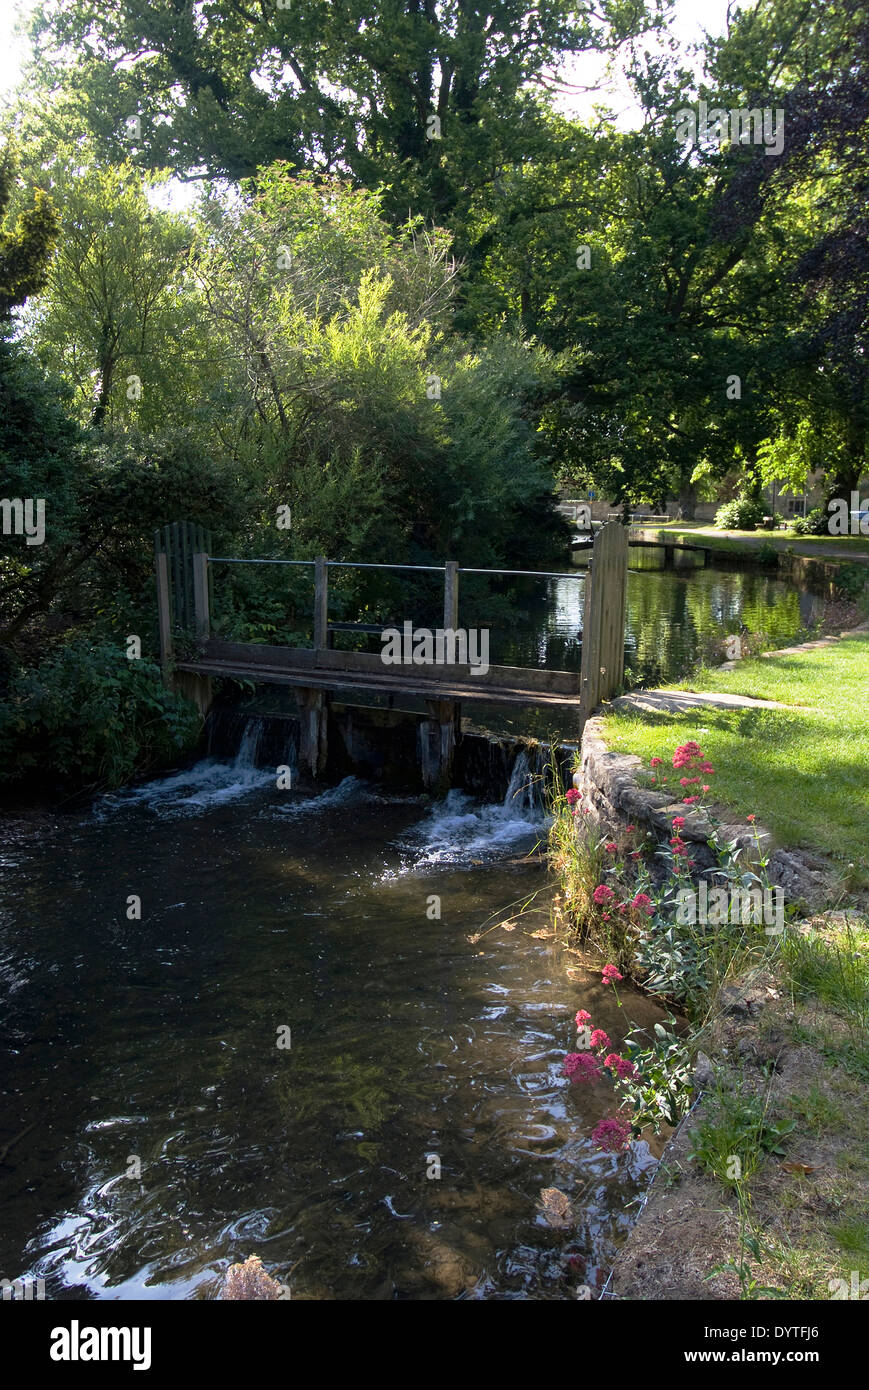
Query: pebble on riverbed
[250, 1280]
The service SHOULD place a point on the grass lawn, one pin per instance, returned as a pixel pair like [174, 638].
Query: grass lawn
[735, 541]
[804, 772]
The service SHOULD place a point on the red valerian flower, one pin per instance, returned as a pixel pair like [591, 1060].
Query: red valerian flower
[573, 796]
[611, 846]
[620, 1065]
[610, 975]
[751, 818]
[629, 828]
[611, 1135]
[603, 894]
[678, 822]
[643, 902]
[599, 1039]
[656, 762]
[689, 800]
[582, 1018]
[581, 1068]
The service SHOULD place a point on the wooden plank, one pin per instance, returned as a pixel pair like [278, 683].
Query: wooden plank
[382, 685]
[603, 619]
[163, 613]
[371, 664]
[199, 561]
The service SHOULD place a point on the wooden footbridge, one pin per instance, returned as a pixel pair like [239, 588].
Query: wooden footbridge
[185, 571]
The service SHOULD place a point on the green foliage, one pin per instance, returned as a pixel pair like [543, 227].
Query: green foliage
[659, 1093]
[26, 245]
[851, 580]
[117, 316]
[230, 89]
[744, 513]
[88, 719]
[735, 1133]
[814, 523]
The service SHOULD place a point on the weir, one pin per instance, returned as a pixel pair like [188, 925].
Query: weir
[382, 747]
[327, 683]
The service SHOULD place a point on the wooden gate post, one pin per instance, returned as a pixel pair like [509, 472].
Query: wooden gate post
[603, 625]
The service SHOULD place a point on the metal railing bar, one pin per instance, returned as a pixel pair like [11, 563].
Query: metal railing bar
[227, 560]
[533, 574]
[424, 569]
[360, 565]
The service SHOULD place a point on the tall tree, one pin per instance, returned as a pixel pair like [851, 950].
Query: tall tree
[427, 97]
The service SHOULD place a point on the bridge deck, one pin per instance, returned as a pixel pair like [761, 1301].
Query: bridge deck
[326, 670]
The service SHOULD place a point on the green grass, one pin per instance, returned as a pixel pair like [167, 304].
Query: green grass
[804, 771]
[834, 969]
[752, 540]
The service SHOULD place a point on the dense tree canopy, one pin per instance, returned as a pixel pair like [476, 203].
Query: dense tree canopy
[411, 294]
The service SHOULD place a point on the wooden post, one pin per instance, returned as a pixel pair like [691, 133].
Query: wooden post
[313, 729]
[200, 596]
[437, 744]
[603, 627]
[163, 611]
[321, 603]
[451, 595]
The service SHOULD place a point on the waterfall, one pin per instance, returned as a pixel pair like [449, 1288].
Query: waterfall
[246, 757]
[525, 788]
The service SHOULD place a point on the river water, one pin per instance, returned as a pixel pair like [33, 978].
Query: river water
[410, 1046]
[153, 1131]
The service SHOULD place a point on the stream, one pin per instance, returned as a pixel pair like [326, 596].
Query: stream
[308, 918]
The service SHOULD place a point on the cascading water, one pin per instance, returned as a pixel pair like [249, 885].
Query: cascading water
[210, 782]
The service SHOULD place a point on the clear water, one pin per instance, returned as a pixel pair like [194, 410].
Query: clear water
[674, 620]
[156, 1040]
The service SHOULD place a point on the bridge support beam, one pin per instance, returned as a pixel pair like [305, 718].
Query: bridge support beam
[437, 744]
[313, 729]
[197, 688]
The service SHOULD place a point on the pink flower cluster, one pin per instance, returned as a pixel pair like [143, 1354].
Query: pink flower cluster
[603, 894]
[612, 1135]
[581, 1067]
[620, 1065]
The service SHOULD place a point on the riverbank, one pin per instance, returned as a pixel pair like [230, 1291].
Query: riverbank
[764, 1190]
[803, 767]
[844, 548]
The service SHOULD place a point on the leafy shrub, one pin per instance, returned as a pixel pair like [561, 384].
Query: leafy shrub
[814, 523]
[89, 719]
[742, 514]
[851, 580]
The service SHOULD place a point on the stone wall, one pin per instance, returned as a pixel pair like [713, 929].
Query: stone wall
[611, 787]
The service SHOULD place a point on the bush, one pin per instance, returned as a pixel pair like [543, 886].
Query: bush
[851, 580]
[742, 514]
[814, 523]
[89, 719]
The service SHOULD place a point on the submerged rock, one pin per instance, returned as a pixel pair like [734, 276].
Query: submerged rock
[250, 1280]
